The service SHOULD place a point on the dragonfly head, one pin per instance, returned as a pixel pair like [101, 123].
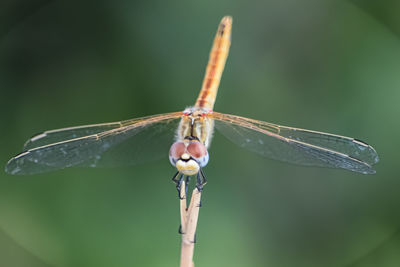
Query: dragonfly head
[188, 156]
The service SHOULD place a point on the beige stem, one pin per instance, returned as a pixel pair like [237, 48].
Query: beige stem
[189, 217]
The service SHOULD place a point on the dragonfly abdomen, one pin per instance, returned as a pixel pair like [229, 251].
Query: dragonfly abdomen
[216, 64]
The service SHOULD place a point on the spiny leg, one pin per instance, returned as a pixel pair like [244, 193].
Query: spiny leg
[195, 238]
[180, 229]
[178, 182]
[175, 178]
[201, 180]
[187, 180]
[204, 177]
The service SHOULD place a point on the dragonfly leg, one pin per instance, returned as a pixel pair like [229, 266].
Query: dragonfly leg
[178, 182]
[201, 180]
[204, 177]
[187, 180]
[175, 178]
[195, 238]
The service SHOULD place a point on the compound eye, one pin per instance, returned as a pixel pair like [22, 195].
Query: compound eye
[198, 151]
[176, 151]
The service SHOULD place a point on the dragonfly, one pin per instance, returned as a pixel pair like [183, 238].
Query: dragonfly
[190, 132]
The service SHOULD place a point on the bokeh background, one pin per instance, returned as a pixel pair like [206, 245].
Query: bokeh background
[323, 65]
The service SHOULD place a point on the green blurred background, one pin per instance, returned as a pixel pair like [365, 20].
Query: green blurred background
[323, 65]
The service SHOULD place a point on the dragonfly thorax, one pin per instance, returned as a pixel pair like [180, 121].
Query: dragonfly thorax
[196, 123]
[188, 156]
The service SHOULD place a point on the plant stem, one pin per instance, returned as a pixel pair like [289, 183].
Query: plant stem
[189, 217]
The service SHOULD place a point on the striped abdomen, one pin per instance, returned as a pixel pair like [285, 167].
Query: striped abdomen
[216, 64]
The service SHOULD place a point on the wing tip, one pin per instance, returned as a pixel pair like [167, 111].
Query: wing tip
[369, 170]
[34, 138]
[371, 150]
[12, 168]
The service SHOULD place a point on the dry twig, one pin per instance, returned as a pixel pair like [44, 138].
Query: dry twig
[189, 218]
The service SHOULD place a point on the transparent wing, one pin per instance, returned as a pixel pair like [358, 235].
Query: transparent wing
[107, 144]
[59, 135]
[297, 145]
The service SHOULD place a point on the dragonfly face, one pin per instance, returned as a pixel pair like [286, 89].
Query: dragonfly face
[188, 156]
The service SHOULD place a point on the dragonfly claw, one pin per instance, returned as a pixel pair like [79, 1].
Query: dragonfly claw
[180, 229]
[178, 182]
[201, 180]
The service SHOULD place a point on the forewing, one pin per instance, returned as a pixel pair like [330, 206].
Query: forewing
[121, 143]
[297, 145]
[59, 135]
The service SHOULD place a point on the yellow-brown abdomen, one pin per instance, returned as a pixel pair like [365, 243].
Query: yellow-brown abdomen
[216, 64]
